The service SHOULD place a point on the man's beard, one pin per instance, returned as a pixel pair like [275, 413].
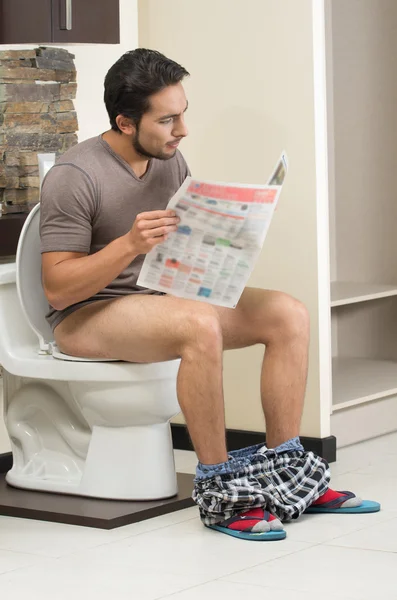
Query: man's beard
[143, 152]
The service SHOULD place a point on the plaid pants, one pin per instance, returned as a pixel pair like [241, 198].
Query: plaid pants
[285, 484]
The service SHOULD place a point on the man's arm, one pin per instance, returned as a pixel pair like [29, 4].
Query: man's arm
[71, 277]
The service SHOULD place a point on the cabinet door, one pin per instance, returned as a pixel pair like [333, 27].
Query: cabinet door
[25, 21]
[89, 21]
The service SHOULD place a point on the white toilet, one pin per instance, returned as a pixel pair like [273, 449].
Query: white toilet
[78, 426]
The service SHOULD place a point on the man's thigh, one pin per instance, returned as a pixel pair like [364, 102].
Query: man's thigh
[152, 328]
[135, 328]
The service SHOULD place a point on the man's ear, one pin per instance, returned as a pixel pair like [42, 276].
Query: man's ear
[125, 125]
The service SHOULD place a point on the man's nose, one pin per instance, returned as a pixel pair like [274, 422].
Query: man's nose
[180, 129]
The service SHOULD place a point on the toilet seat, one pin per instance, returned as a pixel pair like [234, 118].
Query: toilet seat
[31, 293]
[56, 353]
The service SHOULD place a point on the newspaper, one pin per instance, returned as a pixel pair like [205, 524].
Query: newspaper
[220, 235]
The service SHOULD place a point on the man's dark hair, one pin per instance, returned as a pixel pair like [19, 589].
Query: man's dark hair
[135, 77]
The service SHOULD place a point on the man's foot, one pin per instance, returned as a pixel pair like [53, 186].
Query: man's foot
[342, 502]
[255, 524]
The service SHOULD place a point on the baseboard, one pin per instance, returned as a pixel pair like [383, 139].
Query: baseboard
[325, 447]
[235, 438]
[5, 462]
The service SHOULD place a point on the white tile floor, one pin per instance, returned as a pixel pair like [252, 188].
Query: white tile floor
[336, 557]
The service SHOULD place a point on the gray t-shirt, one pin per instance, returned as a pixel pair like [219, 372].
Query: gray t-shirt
[91, 197]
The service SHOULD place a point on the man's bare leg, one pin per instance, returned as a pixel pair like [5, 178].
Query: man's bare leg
[281, 323]
[153, 328]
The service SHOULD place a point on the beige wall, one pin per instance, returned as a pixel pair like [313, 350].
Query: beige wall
[251, 95]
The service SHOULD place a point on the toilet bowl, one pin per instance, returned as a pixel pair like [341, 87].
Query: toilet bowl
[78, 426]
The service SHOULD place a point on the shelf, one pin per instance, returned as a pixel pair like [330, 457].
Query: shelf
[359, 380]
[349, 292]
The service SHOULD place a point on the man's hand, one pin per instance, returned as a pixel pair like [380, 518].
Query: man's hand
[151, 228]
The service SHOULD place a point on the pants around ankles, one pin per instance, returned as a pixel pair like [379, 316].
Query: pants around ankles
[283, 481]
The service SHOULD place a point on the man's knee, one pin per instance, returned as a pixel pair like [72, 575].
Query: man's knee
[203, 328]
[290, 318]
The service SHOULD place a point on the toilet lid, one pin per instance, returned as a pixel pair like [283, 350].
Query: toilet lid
[28, 279]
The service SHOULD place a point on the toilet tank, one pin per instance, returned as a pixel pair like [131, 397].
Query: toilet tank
[15, 331]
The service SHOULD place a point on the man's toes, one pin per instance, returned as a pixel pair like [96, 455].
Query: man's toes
[352, 502]
[261, 527]
[276, 525]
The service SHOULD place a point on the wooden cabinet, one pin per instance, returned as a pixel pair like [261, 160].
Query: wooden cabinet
[10, 229]
[59, 21]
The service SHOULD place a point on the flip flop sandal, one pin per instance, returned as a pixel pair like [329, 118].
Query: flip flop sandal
[341, 505]
[248, 534]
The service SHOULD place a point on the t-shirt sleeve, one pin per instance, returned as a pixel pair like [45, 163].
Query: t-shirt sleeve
[67, 210]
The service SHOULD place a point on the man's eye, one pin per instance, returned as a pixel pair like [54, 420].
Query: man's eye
[166, 122]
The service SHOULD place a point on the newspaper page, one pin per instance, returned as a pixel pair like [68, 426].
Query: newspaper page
[221, 232]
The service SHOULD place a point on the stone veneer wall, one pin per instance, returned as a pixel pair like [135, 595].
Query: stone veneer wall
[37, 88]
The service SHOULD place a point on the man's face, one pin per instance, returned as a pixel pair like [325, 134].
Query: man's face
[163, 126]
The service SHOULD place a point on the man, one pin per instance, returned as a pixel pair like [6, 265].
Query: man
[103, 208]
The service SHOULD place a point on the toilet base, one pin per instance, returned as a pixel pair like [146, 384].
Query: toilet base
[130, 463]
[123, 463]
